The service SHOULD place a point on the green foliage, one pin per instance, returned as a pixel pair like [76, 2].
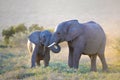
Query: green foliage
[7, 33]
[6, 40]
[20, 28]
[35, 27]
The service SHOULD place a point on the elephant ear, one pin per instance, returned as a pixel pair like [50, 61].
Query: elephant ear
[34, 37]
[73, 30]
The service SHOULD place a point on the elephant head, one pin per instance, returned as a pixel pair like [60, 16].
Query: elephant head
[40, 37]
[66, 31]
[45, 37]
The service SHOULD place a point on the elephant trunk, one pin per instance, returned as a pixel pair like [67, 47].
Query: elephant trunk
[55, 47]
[53, 44]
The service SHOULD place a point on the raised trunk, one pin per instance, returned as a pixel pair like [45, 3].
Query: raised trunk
[55, 48]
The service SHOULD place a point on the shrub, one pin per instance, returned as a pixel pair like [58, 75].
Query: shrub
[20, 28]
[35, 27]
[7, 33]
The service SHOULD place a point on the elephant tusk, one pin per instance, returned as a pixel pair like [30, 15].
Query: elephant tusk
[52, 44]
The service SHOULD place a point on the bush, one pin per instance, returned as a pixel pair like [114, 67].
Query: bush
[35, 27]
[7, 33]
[20, 28]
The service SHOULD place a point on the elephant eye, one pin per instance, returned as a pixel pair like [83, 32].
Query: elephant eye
[43, 36]
[58, 33]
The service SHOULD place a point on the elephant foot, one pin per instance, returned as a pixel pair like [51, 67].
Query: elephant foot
[46, 66]
[38, 64]
[75, 70]
[70, 66]
[105, 70]
[32, 66]
[93, 70]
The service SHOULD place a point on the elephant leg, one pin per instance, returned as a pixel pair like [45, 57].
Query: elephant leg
[76, 58]
[33, 60]
[46, 60]
[47, 57]
[38, 60]
[70, 58]
[104, 64]
[93, 62]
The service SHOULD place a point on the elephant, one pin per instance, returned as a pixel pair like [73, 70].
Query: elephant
[83, 39]
[37, 47]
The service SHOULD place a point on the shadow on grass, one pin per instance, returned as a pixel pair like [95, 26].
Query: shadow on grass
[25, 75]
[63, 67]
[4, 66]
[7, 55]
[4, 69]
[8, 62]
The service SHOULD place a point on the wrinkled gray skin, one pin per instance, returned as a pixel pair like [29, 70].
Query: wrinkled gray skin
[83, 38]
[37, 47]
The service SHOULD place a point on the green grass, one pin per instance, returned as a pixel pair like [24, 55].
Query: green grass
[15, 65]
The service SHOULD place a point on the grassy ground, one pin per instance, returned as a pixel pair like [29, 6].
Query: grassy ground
[15, 64]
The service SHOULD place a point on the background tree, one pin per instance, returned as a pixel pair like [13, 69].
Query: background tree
[7, 33]
[20, 28]
[35, 27]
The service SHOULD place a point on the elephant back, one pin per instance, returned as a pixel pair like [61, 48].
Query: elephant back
[95, 38]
